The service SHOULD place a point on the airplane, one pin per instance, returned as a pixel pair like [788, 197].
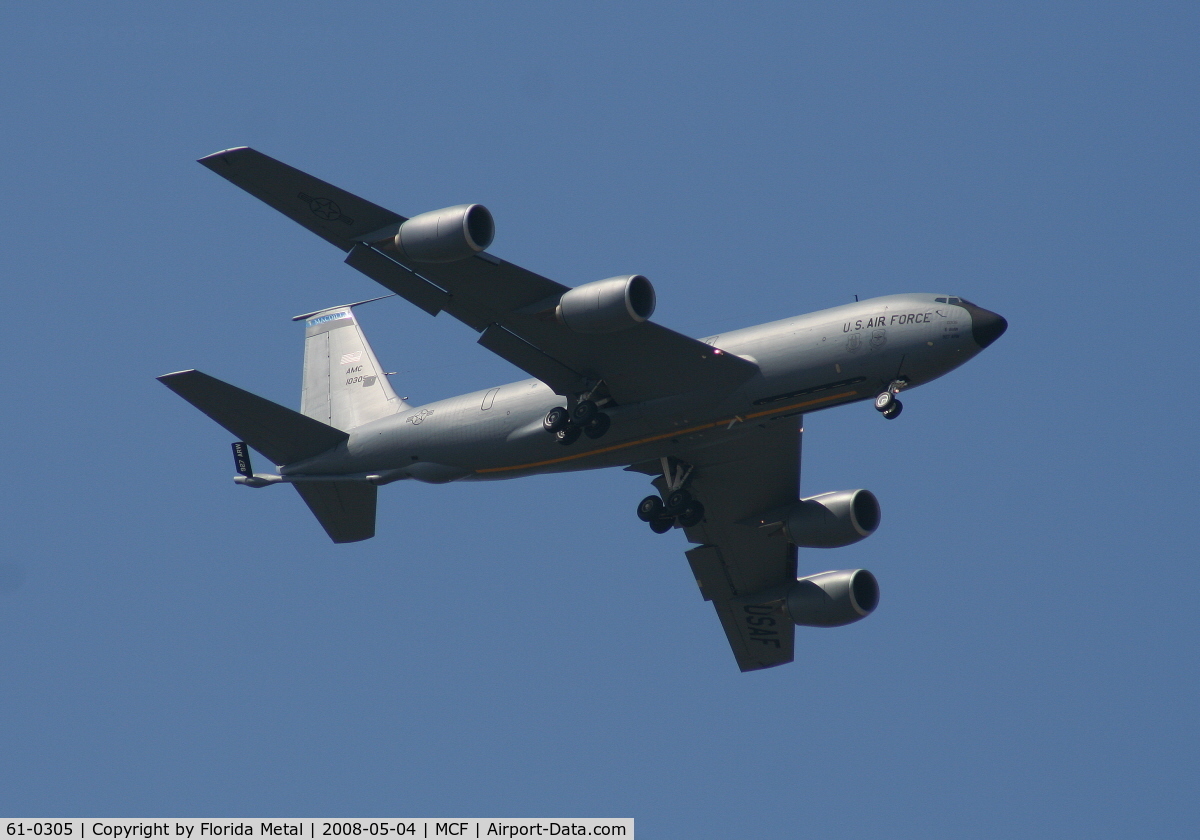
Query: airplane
[715, 422]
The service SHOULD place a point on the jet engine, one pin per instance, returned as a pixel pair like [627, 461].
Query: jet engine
[832, 599]
[446, 235]
[832, 520]
[606, 306]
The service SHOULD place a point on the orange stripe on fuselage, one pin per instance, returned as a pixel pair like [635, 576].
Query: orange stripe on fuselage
[675, 433]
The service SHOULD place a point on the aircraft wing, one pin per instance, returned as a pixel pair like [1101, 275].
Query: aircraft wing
[512, 307]
[736, 480]
[331, 213]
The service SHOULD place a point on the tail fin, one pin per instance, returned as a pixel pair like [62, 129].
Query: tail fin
[343, 384]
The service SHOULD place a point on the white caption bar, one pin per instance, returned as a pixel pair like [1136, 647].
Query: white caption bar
[322, 829]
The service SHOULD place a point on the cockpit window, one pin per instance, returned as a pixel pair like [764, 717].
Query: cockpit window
[939, 300]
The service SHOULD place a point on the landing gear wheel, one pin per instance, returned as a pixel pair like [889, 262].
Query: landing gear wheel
[693, 514]
[557, 419]
[583, 412]
[677, 500]
[662, 524]
[893, 410]
[597, 426]
[884, 401]
[650, 508]
[568, 435]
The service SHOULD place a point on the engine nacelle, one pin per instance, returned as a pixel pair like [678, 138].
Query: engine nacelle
[606, 306]
[446, 235]
[832, 520]
[832, 599]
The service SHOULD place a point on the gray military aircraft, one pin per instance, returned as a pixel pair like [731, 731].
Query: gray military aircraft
[717, 422]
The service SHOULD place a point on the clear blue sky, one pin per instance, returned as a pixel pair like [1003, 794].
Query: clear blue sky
[171, 644]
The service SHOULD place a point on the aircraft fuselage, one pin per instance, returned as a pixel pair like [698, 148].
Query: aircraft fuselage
[806, 363]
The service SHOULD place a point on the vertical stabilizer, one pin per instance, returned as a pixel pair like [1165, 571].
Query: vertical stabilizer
[344, 386]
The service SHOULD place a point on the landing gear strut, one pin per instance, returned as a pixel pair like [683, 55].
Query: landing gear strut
[678, 506]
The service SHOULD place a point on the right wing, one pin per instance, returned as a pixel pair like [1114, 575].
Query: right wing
[511, 306]
[739, 566]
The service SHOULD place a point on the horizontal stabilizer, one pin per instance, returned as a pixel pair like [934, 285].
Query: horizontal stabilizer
[345, 509]
[331, 213]
[282, 435]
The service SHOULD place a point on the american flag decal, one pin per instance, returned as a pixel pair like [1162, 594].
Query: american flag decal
[351, 358]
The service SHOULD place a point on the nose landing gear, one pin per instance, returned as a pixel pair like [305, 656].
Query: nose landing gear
[887, 404]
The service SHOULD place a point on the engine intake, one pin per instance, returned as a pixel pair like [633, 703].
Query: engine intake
[446, 235]
[606, 306]
[832, 599]
[832, 520]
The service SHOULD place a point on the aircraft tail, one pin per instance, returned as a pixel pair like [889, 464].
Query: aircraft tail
[345, 509]
[344, 386]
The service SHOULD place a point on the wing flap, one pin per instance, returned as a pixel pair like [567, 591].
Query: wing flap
[391, 275]
[506, 345]
[641, 363]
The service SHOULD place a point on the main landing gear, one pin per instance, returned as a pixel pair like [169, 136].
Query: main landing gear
[887, 404]
[661, 513]
[582, 417]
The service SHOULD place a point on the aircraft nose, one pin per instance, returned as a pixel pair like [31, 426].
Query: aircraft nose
[986, 326]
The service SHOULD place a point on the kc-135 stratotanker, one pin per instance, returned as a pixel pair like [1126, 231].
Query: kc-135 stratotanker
[716, 422]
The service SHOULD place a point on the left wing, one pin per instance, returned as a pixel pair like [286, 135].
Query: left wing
[736, 480]
[514, 309]
[511, 306]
